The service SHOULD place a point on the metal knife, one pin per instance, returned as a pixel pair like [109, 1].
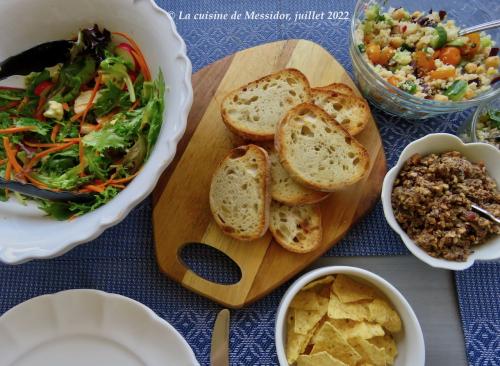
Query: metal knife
[219, 353]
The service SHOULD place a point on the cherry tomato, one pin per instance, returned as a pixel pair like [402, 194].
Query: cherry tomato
[373, 52]
[450, 56]
[472, 47]
[386, 55]
[40, 88]
[424, 62]
[442, 74]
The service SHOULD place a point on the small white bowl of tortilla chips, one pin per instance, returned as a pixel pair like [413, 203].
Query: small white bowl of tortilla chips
[343, 316]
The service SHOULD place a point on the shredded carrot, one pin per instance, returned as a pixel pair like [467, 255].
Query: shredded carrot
[76, 116]
[142, 65]
[138, 54]
[10, 88]
[51, 150]
[71, 139]
[8, 170]
[82, 158]
[72, 217]
[6, 131]
[36, 182]
[121, 186]
[11, 155]
[65, 106]
[135, 105]
[55, 131]
[2, 162]
[91, 100]
[41, 103]
[23, 103]
[122, 180]
[9, 106]
[94, 188]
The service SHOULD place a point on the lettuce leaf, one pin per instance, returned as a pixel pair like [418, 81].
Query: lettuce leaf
[153, 111]
[67, 181]
[104, 139]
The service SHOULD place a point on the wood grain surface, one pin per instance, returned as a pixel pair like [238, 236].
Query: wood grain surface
[181, 207]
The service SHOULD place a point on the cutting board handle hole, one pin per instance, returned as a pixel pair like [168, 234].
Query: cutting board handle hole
[210, 263]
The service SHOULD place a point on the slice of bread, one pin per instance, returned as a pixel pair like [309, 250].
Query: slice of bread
[240, 193]
[296, 228]
[317, 152]
[254, 110]
[338, 88]
[352, 112]
[284, 189]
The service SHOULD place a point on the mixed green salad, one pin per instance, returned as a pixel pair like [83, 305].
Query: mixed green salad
[84, 126]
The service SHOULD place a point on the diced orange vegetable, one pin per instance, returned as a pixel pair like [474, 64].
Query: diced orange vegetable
[393, 80]
[424, 62]
[442, 73]
[450, 56]
[472, 47]
[373, 52]
[386, 55]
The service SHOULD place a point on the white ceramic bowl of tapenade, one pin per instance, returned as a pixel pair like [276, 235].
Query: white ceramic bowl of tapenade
[427, 200]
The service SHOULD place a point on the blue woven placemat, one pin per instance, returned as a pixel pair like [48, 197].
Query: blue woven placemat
[478, 291]
[122, 259]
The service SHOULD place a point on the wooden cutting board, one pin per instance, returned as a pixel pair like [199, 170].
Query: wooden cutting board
[181, 206]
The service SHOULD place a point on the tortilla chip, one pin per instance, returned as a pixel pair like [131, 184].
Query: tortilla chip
[305, 300]
[352, 329]
[370, 353]
[305, 320]
[319, 359]
[322, 281]
[387, 343]
[295, 343]
[339, 310]
[329, 339]
[379, 311]
[349, 290]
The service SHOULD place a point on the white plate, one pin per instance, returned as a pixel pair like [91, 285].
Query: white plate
[89, 327]
[26, 232]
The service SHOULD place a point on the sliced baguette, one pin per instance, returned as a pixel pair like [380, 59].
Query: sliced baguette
[284, 189]
[339, 88]
[317, 152]
[254, 110]
[296, 228]
[240, 193]
[352, 112]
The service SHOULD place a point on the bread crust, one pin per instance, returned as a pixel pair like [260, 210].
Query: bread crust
[264, 188]
[346, 99]
[249, 134]
[340, 88]
[282, 148]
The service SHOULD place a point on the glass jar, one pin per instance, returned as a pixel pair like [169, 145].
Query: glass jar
[474, 129]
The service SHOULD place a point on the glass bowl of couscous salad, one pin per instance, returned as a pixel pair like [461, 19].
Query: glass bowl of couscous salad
[413, 63]
[484, 125]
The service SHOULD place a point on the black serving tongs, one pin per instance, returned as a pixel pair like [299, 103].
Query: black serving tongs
[57, 196]
[36, 58]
